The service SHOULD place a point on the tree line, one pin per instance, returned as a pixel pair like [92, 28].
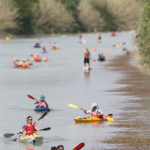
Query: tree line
[40, 16]
[143, 37]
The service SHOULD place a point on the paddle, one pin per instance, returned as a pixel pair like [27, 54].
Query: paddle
[74, 106]
[41, 117]
[8, 135]
[78, 147]
[31, 97]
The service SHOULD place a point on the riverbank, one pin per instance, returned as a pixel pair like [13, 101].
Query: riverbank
[133, 122]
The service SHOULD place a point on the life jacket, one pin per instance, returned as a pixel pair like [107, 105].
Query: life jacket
[29, 129]
[37, 44]
[42, 104]
[95, 113]
[16, 63]
[24, 64]
[37, 58]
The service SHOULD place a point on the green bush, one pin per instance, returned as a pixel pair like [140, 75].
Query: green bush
[143, 35]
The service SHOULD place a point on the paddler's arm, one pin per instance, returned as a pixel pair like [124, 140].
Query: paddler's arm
[21, 132]
[86, 112]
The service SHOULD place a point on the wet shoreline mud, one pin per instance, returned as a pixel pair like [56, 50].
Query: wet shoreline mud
[134, 120]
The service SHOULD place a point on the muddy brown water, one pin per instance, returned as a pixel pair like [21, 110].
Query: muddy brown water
[134, 119]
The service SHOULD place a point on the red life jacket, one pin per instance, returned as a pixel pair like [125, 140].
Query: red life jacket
[30, 129]
[37, 58]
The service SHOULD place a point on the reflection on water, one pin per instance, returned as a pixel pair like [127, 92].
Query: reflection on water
[86, 74]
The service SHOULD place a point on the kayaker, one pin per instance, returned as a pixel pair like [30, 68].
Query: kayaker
[29, 128]
[42, 103]
[16, 62]
[44, 50]
[54, 46]
[87, 57]
[80, 37]
[99, 37]
[95, 112]
[24, 64]
[60, 147]
[37, 58]
[54, 148]
[101, 56]
[37, 44]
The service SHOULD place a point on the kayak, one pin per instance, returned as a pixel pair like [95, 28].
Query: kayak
[34, 138]
[101, 58]
[37, 46]
[54, 48]
[93, 119]
[41, 109]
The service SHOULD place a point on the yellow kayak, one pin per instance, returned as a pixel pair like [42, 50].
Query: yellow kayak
[93, 119]
[34, 138]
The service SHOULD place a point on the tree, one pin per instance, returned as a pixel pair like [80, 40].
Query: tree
[25, 19]
[52, 15]
[8, 14]
[88, 17]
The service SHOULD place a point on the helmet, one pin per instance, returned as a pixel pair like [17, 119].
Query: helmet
[94, 104]
[42, 96]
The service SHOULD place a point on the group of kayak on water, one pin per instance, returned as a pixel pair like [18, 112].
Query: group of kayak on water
[54, 47]
[21, 63]
[24, 64]
[30, 128]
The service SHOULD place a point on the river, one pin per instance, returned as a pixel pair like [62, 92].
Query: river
[62, 81]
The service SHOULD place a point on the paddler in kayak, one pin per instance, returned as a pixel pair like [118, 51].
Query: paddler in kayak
[23, 64]
[95, 112]
[37, 58]
[29, 128]
[16, 62]
[44, 50]
[87, 58]
[41, 103]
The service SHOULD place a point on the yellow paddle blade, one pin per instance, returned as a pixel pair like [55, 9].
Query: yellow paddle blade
[73, 106]
[110, 119]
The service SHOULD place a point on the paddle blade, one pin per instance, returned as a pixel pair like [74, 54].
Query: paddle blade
[42, 116]
[45, 129]
[78, 147]
[107, 53]
[94, 49]
[8, 135]
[30, 64]
[31, 96]
[73, 106]
[31, 55]
[45, 59]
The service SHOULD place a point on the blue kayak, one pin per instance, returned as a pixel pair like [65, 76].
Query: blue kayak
[41, 109]
[37, 46]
